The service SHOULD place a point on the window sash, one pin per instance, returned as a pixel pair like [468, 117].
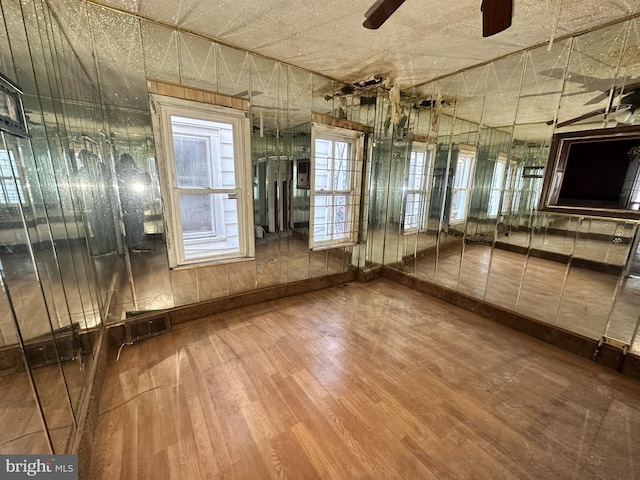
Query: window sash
[415, 203]
[336, 170]
[461, 187]
[495, 191]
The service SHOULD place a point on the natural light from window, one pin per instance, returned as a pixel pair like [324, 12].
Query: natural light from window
[206, 181]
[461, 186]
[11, 193]
[496, 186]
[336, 181]
[417, 188]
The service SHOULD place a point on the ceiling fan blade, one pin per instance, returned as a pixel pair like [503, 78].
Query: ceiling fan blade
[380, 12]
[496, 16]
[586, 116]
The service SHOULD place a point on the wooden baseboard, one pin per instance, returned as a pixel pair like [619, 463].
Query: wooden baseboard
[197, 311]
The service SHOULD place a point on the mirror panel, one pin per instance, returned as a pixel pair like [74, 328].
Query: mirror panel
[160, 50]
[273, 168]
[590, 288]
[462, 160]
[544, 274]
[23, 431]
[624, 317]
[23, 256]
[397, 150]
[590, 74]
[294, 254]
[467, 97]
[234, 67]
[198, 62]
[542, 83]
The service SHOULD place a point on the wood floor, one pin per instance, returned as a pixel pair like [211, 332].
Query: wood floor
[364, 381]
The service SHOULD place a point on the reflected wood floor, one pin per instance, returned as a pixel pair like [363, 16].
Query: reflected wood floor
[22, 430]
[364, 381]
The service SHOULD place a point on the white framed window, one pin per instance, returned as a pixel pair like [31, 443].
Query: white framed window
[417, 188]
[336, 179]
[461, 190]
[10, 182]
[205, 179]
[497, 181]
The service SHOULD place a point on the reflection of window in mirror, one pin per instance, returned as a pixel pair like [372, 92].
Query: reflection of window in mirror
[512, 188]
[460, 192]
[336, 170]
[417, 188]
[12, 117]
[630, 194]
[208, 180]
[497, 181]
[11, 181]
[531, 186]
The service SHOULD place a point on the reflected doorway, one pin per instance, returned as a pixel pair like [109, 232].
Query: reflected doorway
[276, 205]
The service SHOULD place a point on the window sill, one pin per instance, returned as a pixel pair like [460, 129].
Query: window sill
[211, 263]
[332, 246]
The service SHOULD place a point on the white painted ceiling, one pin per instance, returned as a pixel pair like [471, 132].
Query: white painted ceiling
[423, 40]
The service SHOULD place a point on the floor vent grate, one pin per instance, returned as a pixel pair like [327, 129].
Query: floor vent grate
[138, 329]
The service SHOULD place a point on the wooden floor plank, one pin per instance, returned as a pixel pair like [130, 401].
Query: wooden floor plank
[364, 381]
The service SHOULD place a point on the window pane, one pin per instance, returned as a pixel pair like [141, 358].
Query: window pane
[204, 153]
[341, 161]
[322, 164]
[494, 201]
[331, 218]
[416, 171]
[458, 204]
[498, 176]
[496, 188]
[412, 216]
[197, 213]
[321, 217]
[341, 217]
[193, 165]
[209, 225]
[458, 181]
[9, 192]
[5, 167]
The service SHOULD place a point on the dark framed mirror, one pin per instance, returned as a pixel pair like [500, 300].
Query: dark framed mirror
[594, 172]
[12, 119]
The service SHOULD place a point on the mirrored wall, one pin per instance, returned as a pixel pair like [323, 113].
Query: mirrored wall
[59, 235]
[127, 53]
[464, 192]
[451, 183]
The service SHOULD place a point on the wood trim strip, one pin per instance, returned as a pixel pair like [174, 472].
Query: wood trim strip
[200, 310]
[197, 95]
[340, 123]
